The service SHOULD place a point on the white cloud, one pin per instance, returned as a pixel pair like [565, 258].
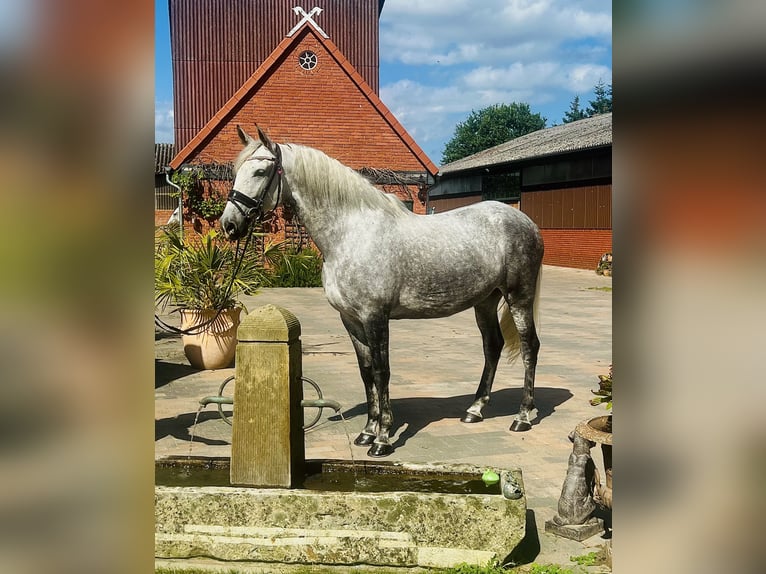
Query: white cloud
[513, 76]
[163, 122]
[427, 8]
[538, 75]
[456, 56]
[582, 78]
[461, 31]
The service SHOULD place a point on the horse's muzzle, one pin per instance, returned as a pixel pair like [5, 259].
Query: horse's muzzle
[230, 230]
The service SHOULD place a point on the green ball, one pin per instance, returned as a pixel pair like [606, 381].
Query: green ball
[490, 477]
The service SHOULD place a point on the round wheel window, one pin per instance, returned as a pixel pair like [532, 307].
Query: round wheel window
[307, 60]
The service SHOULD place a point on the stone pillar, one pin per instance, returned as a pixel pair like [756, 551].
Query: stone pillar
[267, 445]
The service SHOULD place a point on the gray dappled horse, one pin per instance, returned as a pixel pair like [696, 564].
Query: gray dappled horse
[384, 262]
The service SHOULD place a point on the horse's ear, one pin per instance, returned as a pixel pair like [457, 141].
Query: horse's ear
[265, 140]
[243, 137]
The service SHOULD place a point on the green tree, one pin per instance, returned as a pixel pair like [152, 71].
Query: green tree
[575, 112]
[602, 104]
[489, 127]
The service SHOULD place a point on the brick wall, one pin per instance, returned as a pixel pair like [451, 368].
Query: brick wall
[580, 248]
[322, 108]
[161, 216]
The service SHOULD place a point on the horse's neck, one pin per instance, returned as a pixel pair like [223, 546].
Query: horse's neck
[323, 223]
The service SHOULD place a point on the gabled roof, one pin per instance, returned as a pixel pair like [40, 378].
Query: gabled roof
[263, 71]
[583, 134]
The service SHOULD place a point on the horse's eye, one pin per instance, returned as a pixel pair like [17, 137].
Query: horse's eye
[259, 172]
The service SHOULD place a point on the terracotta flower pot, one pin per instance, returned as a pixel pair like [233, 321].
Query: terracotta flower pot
[214, 347]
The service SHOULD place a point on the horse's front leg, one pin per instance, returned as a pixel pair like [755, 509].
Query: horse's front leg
[376, 331]
[364, 358]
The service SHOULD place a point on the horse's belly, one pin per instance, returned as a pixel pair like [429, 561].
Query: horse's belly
[442, 302]
[426, 311]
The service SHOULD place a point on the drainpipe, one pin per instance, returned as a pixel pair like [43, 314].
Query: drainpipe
[168, 172]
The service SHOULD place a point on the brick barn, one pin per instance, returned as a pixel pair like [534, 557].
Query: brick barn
[561, 177]
[304, 76]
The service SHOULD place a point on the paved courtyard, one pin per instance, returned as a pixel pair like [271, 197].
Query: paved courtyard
[435, 368]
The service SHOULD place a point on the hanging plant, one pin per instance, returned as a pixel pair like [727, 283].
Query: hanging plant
[201, 200]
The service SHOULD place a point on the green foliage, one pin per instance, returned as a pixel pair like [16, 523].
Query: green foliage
[489, 127]
[602, 104]
[604, 266]
[187, 180]
[203, 201]
[198, 274]
[575, 112]
[490, 568]
[292, 570]
[296, 268]
[604, 391]
[549, 569]
[589, 559]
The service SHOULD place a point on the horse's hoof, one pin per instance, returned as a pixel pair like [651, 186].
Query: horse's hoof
[471, 418]
[379, 450]
[520, 426]
[364, 439]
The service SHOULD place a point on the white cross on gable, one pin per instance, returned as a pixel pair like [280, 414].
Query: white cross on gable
[299, 11]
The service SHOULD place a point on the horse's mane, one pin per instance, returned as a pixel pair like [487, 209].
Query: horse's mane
[330, 183]
[333, 184]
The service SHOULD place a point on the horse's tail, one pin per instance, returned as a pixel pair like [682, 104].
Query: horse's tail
[511, 335]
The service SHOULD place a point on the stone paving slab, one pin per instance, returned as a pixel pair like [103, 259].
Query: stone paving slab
[435, 368]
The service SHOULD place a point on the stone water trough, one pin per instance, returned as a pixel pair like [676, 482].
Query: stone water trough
[284, 509]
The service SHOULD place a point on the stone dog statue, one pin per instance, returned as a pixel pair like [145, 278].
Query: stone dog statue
[576, 503]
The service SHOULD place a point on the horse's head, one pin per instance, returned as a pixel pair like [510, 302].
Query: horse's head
[257, 184]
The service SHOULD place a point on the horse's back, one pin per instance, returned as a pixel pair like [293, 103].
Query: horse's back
[421, 266]
[494, 224]
[492, 211]
[461, 256]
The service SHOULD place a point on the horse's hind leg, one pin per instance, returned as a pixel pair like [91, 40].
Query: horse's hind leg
[523, 316]
[492, 341]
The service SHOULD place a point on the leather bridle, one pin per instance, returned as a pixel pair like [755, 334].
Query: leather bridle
[249, 207]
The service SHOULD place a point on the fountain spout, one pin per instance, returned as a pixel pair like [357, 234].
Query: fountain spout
[310, 403]
[321, 403]
[216, 400]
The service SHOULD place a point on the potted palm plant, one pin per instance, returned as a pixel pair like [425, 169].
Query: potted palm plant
[203, 278]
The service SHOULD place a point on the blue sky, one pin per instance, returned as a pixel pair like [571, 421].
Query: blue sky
[441, 60]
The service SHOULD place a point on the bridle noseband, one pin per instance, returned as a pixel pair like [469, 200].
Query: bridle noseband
[249, 207]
